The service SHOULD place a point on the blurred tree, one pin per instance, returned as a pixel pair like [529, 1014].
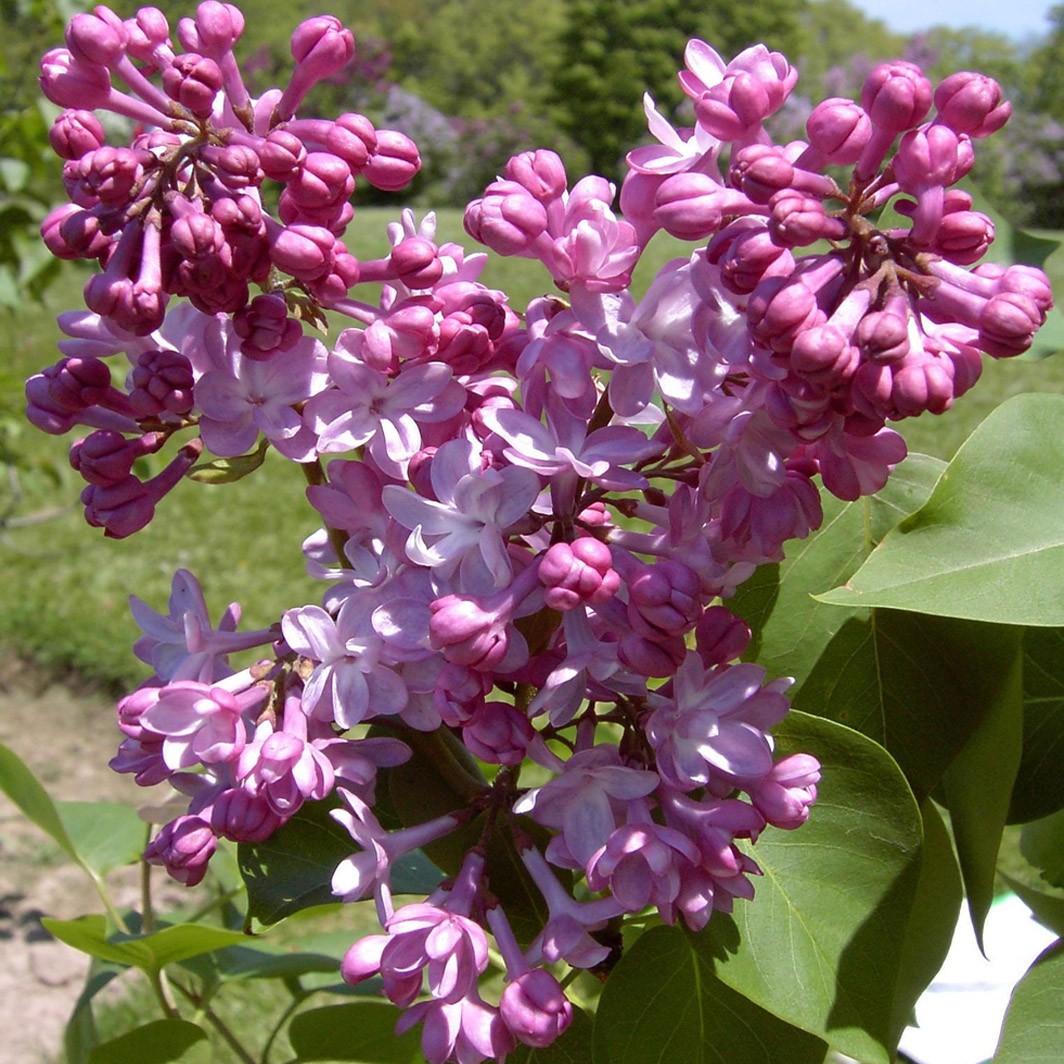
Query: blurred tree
[608, 47]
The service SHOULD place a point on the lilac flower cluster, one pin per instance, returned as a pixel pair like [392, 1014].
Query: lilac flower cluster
[528, 519]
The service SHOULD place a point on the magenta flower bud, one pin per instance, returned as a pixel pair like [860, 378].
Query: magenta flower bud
[322, 44]
[218, 26]
[689, 206]
[578, 573]
[541, 172]
[148, 33]
[798, 220]
[265, 328]
[97, 38]
[417, 263]
[1008, 323]
[651, 657]
[824, 355]
[193, 81]
[304, 251]
[664, 599]
[745, 257]
[784, 796]
[70, 82]
[1027, 281]
[76, 133]
[779, 309]
[281, 154]
[466, 633]
[110, 174]
[838, 129]
[896, 96]
[73, 233]
[508, 224]
[535, 1009]
[183, 847]
[927, 156]
[161, 381]
[922, 382]
[106, 457]
[196, 236]
[322, 180]
[353, 138]
[883, 336]
[240, 816]
[720, 636]
[730, 109]
[75, 384]
[394, 163]
[237, 166]
[761, 170]
[498, 733]
[971, 103]
[964, 237]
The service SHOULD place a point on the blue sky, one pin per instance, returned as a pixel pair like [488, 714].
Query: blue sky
[1017, 18]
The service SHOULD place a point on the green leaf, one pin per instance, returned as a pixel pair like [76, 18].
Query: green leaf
[79, 1035]
[664, 1004]
[791, 629]
[977, 789]
[1042, 844]
[363, 1032]
[1033, 1032]
[1047, 906]
[574, 1047]
[161, 1042]
[235, 963]
[148, 952]
[821, 945]
[939, 895]
[1039, 788]
[918, 685]
[293, 868]
[228, 470]
[24, 789]
[106, 835]
[966, 553]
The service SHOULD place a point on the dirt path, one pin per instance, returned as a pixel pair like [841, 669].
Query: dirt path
[66, 736]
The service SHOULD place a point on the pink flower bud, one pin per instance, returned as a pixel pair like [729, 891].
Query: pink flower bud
[1027, 281]
[896, 96]
[466, 633]
[110, 174]
[689, 205]
[779, 309]
[498, 733]
[784, 796]
[535, 1009]
[824, 355]
[70, 82]
[72, 233]
[184, 846]
[927, 156]
[416, 262]
[218, 26]
[240, 816]
[353, 138]
[578, 573]
[838, 129]
[106, 457]
[720, 636]
[281, 154]
[161, 381]
[148, 32]
[761, 170]
[971, 103]
[265, 327]
[304, 251]
[193, 81]
[964, 236]
[664, 599]
[97, 38]
[394, 163]
[322, 180]
[922, 382]
[1008, 323]
[76, 133]
[322, 45]
[508, 224]
[745, 256]
[883, 336]
[729, 110]
[651, 657]
[541, 172]
[798, 220]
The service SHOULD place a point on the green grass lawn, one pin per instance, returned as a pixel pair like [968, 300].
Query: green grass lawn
[66, 587]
